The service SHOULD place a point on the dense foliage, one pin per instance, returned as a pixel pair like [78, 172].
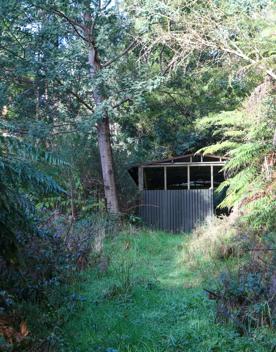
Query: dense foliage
[19, 176]
[89, 88]
[246, 135]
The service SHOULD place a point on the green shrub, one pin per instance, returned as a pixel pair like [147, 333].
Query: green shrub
[38, 289]
[245, 292]
[247, 298]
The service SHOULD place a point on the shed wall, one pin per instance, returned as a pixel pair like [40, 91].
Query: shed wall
[175, 210]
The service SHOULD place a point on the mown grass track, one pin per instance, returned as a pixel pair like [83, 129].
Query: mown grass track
[148, 300]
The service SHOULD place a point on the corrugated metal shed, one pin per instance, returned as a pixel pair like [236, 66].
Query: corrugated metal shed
[178, 193]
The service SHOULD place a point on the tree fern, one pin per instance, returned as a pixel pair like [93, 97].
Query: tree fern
[246, 136]
[20, 179]
[244, 155]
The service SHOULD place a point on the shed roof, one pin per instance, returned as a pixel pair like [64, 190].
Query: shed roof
[192, 159]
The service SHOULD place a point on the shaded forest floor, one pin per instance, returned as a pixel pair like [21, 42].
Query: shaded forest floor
[142, 297]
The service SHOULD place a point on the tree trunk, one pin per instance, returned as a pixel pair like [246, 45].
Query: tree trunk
[103, 127]
[107, 166]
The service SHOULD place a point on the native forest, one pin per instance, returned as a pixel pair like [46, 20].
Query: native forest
[137, 175]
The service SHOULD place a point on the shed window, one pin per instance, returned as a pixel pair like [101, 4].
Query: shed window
[218, 176]
[200, 177]
[177, 178]
[154, 178]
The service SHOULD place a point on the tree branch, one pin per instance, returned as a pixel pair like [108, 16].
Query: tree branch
[77, 96]
[72, 22]
[130, 47]
[75, 24]
[68, 19]
[121, 103]
[106, 5]
[240, 54]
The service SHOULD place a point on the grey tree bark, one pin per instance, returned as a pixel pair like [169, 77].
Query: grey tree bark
[103, 127]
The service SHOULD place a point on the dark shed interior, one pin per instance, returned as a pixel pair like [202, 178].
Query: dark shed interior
[185, 172]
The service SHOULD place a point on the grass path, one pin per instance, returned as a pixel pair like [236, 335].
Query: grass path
[147, 301]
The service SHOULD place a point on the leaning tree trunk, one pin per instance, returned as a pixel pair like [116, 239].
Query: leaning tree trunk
[103, 128]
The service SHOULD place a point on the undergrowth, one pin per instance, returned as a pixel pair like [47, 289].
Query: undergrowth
[106, 288]
[149, 299]
[35, 295]
[244, 263]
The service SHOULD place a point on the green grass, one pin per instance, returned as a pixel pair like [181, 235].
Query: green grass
[148, 300]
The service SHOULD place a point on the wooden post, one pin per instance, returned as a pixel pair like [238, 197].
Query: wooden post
[165, 178]
[188, 176]
[212, 177]
[141, 178]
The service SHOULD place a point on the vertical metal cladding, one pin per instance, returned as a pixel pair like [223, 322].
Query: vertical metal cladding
[175, 210]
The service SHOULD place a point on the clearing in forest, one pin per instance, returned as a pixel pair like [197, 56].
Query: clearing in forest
[142, 297]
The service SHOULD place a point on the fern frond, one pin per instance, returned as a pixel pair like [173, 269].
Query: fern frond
[221, 147]
[20, 178]
[237, 134]
[243, 155]
[224, 119]
[240, 186]
[15, 148]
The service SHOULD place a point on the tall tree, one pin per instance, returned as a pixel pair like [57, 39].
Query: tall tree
[92, 15]
[76, 55]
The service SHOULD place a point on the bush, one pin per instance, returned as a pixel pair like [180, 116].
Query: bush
[217, 238]
[248, 297]
[37, 289]
[246, 291]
